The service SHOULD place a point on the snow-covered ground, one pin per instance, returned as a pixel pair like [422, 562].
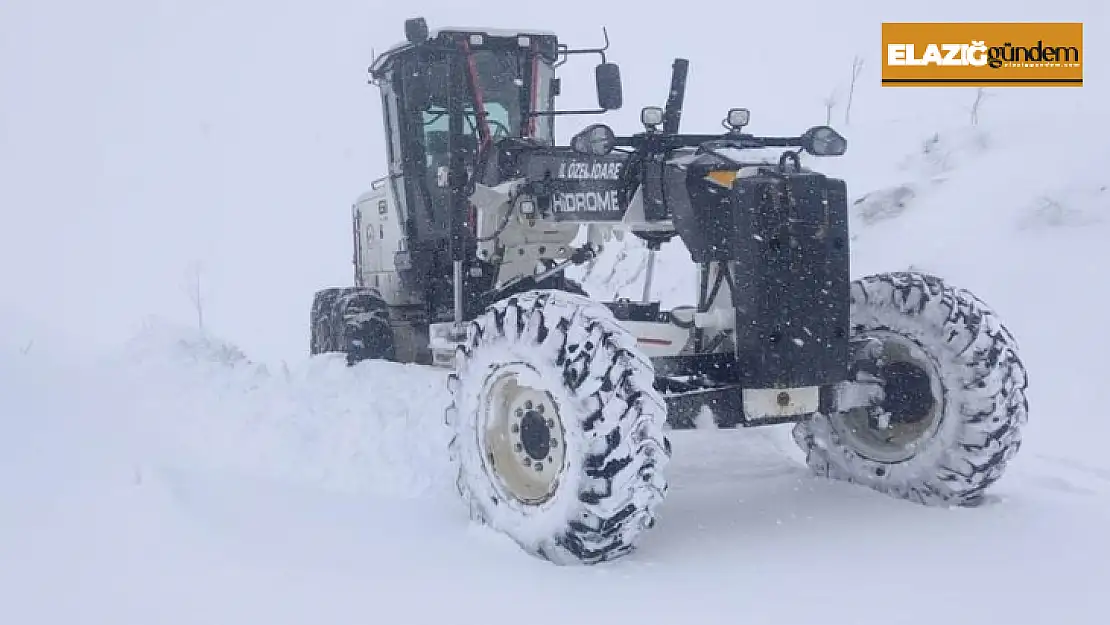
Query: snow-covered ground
[187, 478]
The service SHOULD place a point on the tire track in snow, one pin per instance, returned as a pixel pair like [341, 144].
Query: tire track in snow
[1068, 476]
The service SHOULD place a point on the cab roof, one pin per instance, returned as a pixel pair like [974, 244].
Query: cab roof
[382, 59]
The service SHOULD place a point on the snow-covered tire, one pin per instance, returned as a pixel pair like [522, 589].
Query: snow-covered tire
[968, 409]
[321, 333]
[353, 321]
[551, 379]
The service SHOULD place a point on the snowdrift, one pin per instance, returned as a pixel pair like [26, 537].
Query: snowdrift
[374, 427]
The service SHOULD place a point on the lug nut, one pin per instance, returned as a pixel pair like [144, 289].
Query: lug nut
[528, 405]
[554, 443]
[515, 428]
[539, 409]
[550, 423]
[527, 461]
[519, 413]
[539, 466]
[518, 448]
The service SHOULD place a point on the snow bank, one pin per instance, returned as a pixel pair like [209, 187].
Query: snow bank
[374, 427]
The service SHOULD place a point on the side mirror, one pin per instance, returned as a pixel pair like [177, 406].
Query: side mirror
[824, 141]
[595, 139]
[609, 93]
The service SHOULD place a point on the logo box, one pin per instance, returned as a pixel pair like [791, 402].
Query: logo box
[982, 54]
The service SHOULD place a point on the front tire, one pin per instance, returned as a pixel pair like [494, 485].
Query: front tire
[558, 430]
[953, 403]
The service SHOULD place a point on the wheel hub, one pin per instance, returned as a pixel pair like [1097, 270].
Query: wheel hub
[908, 397]
[535, 434]
[522, 439]
[910, 410]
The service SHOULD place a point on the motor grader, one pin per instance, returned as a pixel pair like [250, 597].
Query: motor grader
[561, 405]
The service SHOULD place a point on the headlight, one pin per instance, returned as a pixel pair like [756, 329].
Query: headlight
[738, 118]
[595, 139]
[651, 116]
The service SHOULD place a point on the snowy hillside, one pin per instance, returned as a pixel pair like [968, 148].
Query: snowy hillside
[153, 473]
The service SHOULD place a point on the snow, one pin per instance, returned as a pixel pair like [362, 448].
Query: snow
[152, 473]
[186, 502]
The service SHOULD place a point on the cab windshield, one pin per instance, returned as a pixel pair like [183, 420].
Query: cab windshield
[504, 81]
[511, 82]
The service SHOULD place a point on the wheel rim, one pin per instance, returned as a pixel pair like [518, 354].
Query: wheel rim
[911, 411]
[522, 440]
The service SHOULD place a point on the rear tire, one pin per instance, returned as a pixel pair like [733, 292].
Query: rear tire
[557, 428]
[954, 388]
[353, 321]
